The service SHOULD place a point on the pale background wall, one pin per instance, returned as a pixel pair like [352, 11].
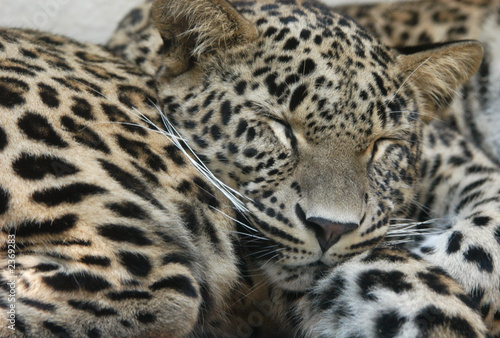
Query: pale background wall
[87, 20]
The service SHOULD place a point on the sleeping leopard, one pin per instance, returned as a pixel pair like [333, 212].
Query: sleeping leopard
[255, 165]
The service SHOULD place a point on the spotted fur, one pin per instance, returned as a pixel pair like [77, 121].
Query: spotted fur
[474, 107]
[120, 169]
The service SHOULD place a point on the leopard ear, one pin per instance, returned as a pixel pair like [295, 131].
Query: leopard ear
[438, 70]
[191, 29]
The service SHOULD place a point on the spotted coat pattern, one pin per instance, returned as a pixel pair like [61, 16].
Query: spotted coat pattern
[311, 121]
[473, 109]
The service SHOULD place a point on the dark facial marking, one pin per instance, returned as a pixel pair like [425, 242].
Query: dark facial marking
[130, 182]
[481, 221]
[434, 283]
[55, 329]
[291, 44]
[298, 96]
[129, 294]
[454, 242]
[46, 267]
[382, 255]
[38, 305]
[84, 135]
[327, 297]
[483, 259]
[95, 260]
[205, 193]
[306, 67]
[177, 258]
[140, 150]
[115, 114]
[82, 108]
[146, 317]
[175, 155]
[391, 280]
[226, 112]
[431, 318]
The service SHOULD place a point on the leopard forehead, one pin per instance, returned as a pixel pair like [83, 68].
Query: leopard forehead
[316, 70]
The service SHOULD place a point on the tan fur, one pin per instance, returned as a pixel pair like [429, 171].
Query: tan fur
[306, 131]
[440, 71]
[426, 22]
[198, 27]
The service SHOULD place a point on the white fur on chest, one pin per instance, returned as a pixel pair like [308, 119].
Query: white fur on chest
[488, 119]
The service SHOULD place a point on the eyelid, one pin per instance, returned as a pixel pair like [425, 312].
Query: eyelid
[280, 121]
[287, 132]
[400, 139]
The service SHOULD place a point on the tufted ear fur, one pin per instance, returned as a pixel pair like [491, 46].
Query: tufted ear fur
[193, 28]
[438, 70]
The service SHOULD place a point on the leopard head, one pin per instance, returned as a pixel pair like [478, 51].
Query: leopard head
[306, 115]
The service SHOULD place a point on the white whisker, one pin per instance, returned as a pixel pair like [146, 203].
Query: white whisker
[405, 233]
[416, 233]
[257, 239]
[235, 220]
[227, 191]
[412, 224]
[270, 259]
[264, 252]
[173, 135]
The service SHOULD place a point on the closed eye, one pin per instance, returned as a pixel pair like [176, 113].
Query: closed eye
[290, 136]
[284, 132]
[281, 127]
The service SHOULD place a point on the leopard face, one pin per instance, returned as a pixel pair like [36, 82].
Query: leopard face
[310, 119]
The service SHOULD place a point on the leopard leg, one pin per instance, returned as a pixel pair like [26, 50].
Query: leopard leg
[460, 190]
[382, 293]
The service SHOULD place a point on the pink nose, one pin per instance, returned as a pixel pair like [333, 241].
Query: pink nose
[328, 232]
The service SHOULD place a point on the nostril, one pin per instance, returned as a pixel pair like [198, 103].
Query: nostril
[327, 232]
